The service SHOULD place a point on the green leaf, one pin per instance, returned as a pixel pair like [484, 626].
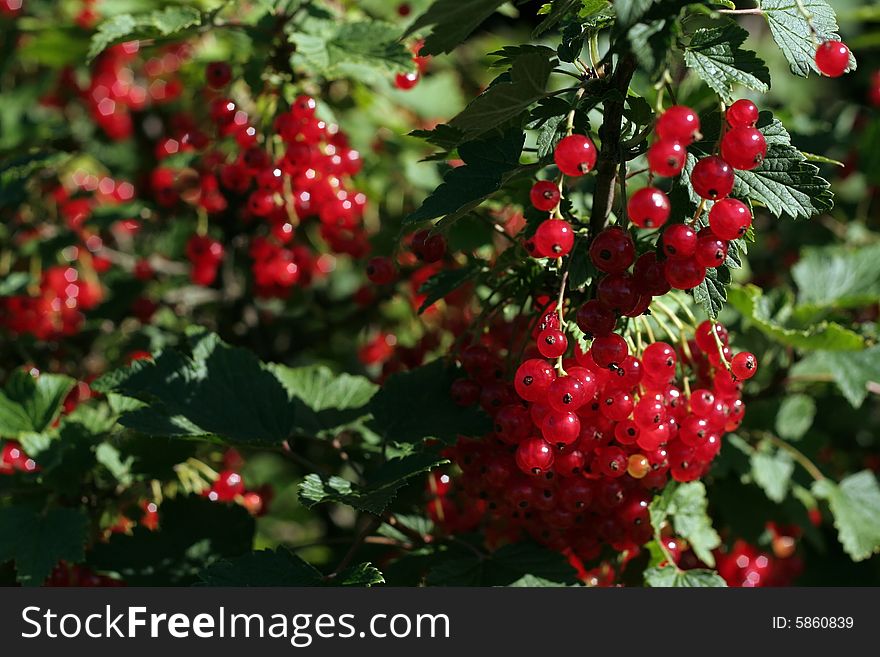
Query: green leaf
[838, 276]
[36, 541]
[218, 390]
[716, 56]
[415, 405]
[126, 27]
[14, 283]
[452, 21]
[364, 50]
[488, 163]
[791, 31]
[795, 416]
[855, 504]
[772, 469]
[30, 405]
[686, 504]
[532, 582]
[755, 308]
[326, 403]
[851, 371]
[670, 576]
[281, 567]
[447, 281]
[508, 97]
[711, 294]
[193, 534]
[506, 566]
[378, 493]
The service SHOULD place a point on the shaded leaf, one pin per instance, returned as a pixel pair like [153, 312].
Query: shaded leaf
[716, 56]
[855, 504]
[36, 541]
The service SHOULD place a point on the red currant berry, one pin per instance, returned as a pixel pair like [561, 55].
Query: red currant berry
[575, 495]
[743, 113]
[730, 219]
[613, 250]
[648, 274]
[679, 241]
[381, 271]
[552, 343]
[649, 413]
[678, 123]
[595, 319]
[554, 238]
[534, 456]
[703, 335]
[711, 251]
[712, 178]
[684, 274]
[744, 148]
[567, 393]
[611, 462]
[667, 158]
[533, 378]
[649, 208]
[618, 292]
[560, 428]
[228, 485]
[545, 195]
[427, 247]
[832, 58]
[702, 401]
[513, 423]
[659, 360]
[626, 432]
[218, 74]
[744, 365]
[609, 351]
[616, 405]
[406, 81]
[575, 155]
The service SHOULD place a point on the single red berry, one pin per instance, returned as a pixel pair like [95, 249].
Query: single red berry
[626, 432]
[381, 271]
[513, 423]
[678, 123]
[648, 274]
[667, 158]
[554, 238]
[552, 343]
[533, 378]
[704, 338]
[649, 413]
[427, 247]
[742, 113]
[545, 195]
[218, 74]
[575, 155]
[612, 250]
[832, 58]
[229, 484]
[595, 319]
[744, 365]
[534, 456]
[711, 250]
[702, 401]
[679, 241]
[609, 351]
[616, 405]
[567, 393]
[649, 208]
[712, 178]
[560, 428]
[659, 360]
[730, 219]
[406, 81]
[618, 292]
[611, 462]
[684, 274]
[744, 148]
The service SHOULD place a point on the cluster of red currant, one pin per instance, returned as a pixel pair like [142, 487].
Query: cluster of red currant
[746, 565]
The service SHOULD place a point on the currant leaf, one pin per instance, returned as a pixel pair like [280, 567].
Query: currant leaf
[855, 505]
[37, 541]
[30, 405]
[795, 416]
[686, 506]
[851, 371]
[451, 22]
[672, 577]
[716, 56]
[772, 470]
[837, 277]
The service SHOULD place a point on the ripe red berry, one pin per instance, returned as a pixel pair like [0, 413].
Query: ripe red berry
[742, 113]
[612, 250]
[560, 428]
[679, 241]
[228, 485]
[667, 157]
[406, 81]
[744, 148]
[552, 343]
[684, 274]
[659, 360]
[545, 195]
[609, 351]
[381, 271]
[554, 239]
[730, 219]
[832, 58]
[711, 250]
[611, 462]
[595, 319]
[712, 178]
[648, 274]
[618, 292]
[533, 378]
[744, 365]
[575, 155]
[513, 423]
[427, 247]
[649, 208]
[704, 338]
[678, 123]
[567, 393]
[534, 456]
[218, 74]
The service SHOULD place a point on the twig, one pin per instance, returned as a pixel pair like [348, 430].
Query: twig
[371, 526]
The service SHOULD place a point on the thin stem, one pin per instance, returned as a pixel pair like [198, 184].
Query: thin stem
[741, 12]
[371, 526]
[561, 313]
[797, 454]
[720, 345]
[648, 328]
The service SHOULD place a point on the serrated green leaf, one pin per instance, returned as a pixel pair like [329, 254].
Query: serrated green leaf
[451, 22]
[855, 504]
[509, 97]
[838, 276]
[755, 308]
[14, 283]
[851, 371]
[110, 457]
[30, 405]
[792, 34]
[445, 282]
[795, 416]
[556, 11]
[711, 294]
[126, 27]
[430, 413]
[281, 567]
[685, 506]
[772, 470]
[716, 56]
[378, 493]
[488, 163]
[36, 541]
[672, 577]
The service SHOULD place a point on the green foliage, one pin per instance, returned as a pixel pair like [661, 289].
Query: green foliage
[772, 470]
[716, 56]
[795, 416]
[850, 371]
[444, 283]
[167, 22]
[685, 506]
[451, 22]
[36, 540]
[505, 567]
[282, 567]
[672, 577]
[855, 504]
[29, 405]
[838, 277]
